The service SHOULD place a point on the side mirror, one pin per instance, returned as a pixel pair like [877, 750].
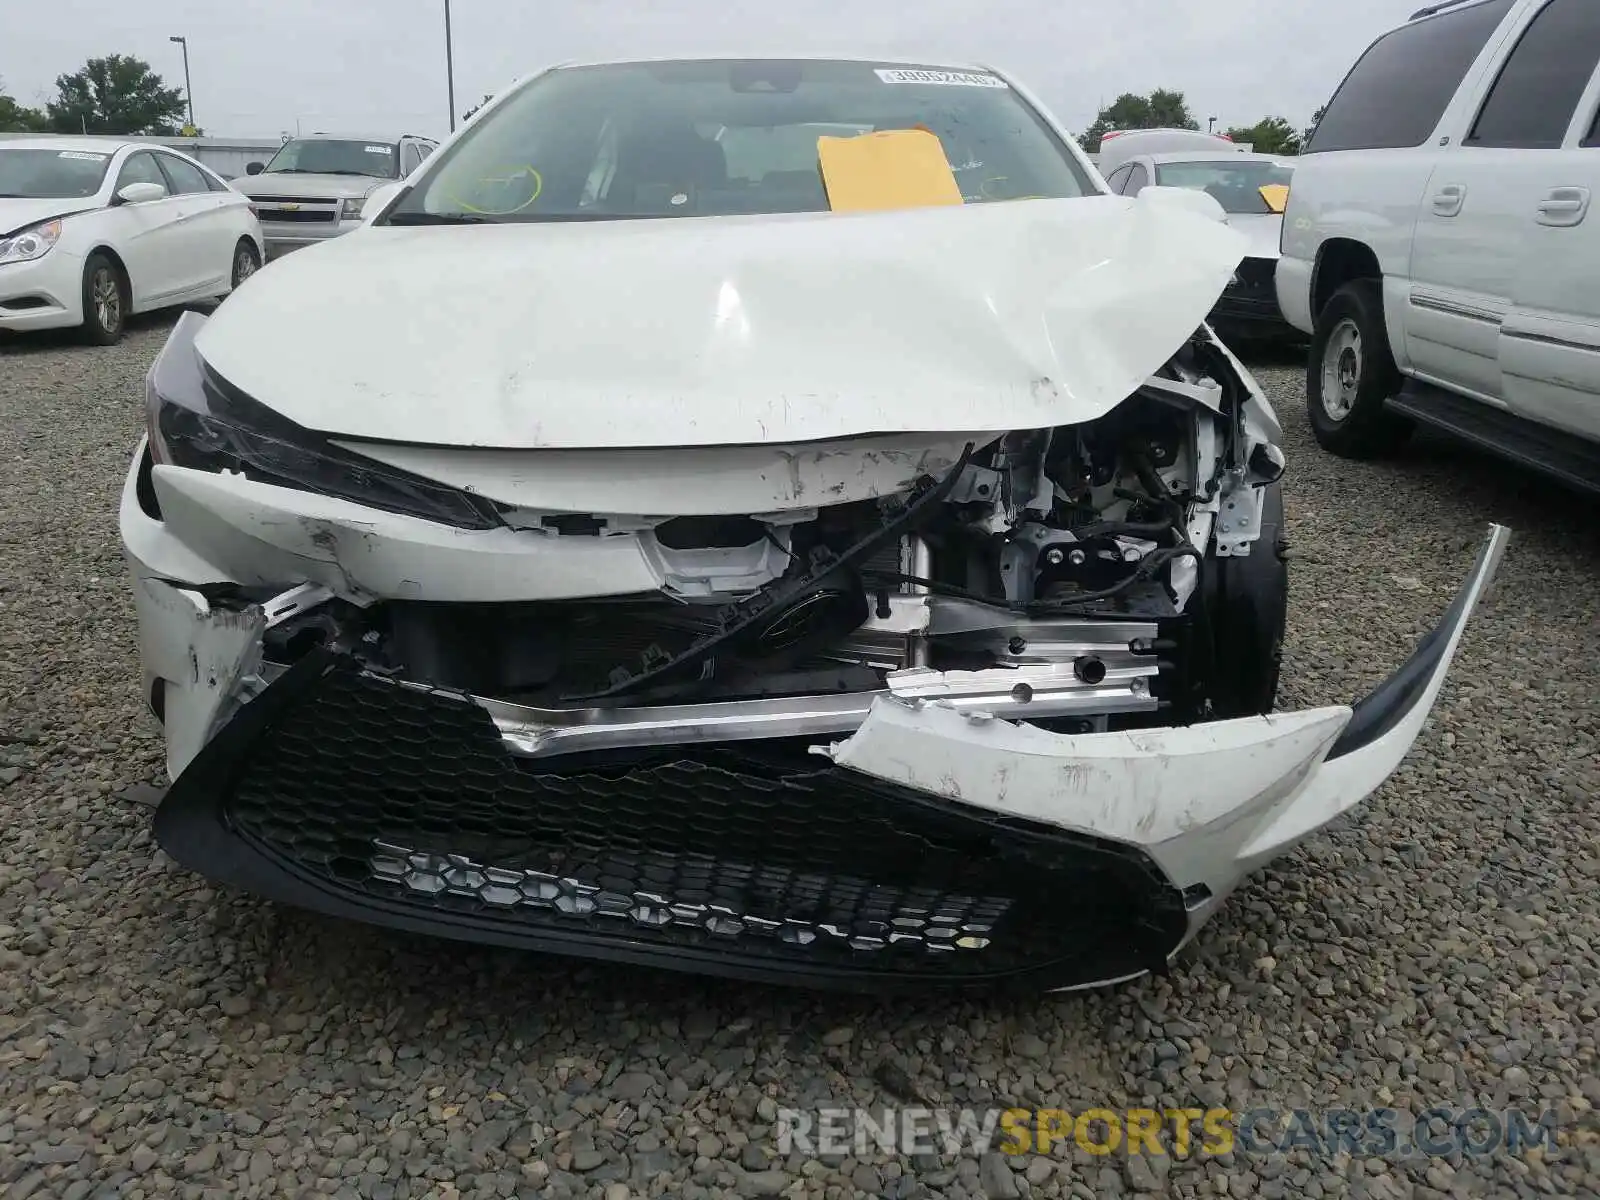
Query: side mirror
[253, 168]
[378, 198]
[141, 193]
[1202, 204]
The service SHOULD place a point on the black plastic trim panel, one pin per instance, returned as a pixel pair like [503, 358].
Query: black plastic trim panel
[1387, 704]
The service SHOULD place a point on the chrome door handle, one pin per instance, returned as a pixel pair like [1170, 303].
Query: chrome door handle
[1564, 206]
[1447, 201]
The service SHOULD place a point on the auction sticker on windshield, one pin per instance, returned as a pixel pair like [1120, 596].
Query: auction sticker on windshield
[82, 156]
[948, 78]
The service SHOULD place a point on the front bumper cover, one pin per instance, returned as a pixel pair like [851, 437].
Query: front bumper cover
[340, 792]
[282, 237]
[44, 293]
[931, 846]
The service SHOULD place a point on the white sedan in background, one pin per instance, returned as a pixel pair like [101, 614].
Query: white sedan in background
[92, 231]
[1252, 189]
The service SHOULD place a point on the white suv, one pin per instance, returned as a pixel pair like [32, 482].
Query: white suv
[1439, 243]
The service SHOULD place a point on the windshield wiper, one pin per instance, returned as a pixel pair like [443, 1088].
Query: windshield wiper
[429, 218]
[554, 218]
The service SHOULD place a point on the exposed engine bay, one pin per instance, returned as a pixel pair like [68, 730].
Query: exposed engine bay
[1057, 573]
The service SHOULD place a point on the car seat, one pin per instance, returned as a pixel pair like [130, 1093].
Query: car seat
[656, 164]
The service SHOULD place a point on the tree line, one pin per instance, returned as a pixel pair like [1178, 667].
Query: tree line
[116, 95]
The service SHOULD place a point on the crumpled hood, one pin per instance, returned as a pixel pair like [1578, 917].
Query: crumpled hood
[18, 214]
[283, 183]
[726, 330]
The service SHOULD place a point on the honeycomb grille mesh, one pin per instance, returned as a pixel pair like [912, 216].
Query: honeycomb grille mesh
[754, 850]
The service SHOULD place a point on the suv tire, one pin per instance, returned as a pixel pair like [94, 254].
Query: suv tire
[1351, 373]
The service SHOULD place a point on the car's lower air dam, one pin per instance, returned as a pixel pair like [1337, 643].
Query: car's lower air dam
[950, 923]
[345, 793]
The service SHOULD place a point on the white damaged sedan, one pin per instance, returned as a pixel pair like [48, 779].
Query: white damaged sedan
[628, 546]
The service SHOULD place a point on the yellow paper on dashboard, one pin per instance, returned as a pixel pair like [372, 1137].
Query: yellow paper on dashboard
[893, 168]
[1276, 195]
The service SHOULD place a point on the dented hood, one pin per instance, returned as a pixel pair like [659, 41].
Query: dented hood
[725, 330]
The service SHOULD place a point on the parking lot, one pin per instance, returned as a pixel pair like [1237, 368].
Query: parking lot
[1440, 947]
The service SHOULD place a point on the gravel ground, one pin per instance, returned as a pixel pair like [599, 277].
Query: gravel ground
[1439, 947]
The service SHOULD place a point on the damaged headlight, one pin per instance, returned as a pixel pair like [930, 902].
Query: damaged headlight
[195, 420]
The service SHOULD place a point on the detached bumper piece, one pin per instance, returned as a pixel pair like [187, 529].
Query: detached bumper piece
[342, 792]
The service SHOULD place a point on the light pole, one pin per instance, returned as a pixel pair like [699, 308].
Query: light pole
[449, 66]
[188, 92]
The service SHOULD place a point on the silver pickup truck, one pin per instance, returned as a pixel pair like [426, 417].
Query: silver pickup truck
[314, 187]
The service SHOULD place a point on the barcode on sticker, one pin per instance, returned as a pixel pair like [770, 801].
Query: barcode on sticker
[82, 156]
[947, 78]
[377, 150]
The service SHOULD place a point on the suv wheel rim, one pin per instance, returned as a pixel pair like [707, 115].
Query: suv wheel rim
[106, 297]
[1341, 370]
[244, 266]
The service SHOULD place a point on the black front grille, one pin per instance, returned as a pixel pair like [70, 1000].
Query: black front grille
[298, 215]
[755, 857]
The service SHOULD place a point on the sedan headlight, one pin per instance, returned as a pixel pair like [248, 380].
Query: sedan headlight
[350, 210]
[31, 243]
[196, 420]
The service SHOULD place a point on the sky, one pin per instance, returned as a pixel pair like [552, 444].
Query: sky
[376, 66]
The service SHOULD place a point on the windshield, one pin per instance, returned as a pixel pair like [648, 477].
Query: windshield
[334, 156]
[713, 138]
[38, 174]
[1235, 185]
